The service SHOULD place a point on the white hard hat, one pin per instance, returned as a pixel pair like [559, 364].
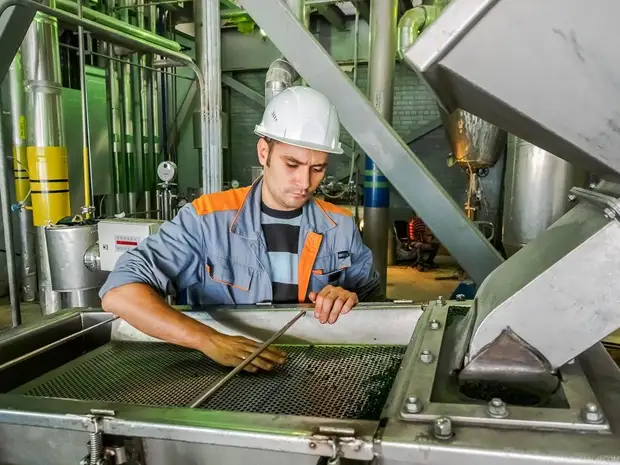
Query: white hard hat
[303, 117]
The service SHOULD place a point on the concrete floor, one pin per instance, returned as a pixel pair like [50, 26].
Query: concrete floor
[403, 283]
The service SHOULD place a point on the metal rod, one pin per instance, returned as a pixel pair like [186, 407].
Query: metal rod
[212, 389]
[5, 201]
[86, 161]
[52, 345]
[120, 60]
[142, 5]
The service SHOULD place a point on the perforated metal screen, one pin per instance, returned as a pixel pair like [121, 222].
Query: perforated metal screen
[345, 382]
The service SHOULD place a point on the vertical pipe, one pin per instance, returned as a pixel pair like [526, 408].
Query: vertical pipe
[22, 180]
[7, 229]
[47, 153]
[146, 123]
[128, 121]
[207, 35]
[119, 176]
[88, 206]
[154, 113]
[381, 65]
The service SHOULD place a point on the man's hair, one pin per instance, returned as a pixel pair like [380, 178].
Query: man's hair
[270, 143]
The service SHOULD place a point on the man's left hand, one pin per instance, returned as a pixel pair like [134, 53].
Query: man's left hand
[331, 302]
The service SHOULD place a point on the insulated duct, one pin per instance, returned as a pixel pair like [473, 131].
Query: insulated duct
[281, 73]
[47, 153]
[280, 76]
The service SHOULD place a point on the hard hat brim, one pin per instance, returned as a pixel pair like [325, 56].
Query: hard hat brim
[259, 131]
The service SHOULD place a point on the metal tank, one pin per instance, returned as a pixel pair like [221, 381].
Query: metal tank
[536, 192]
[475, 143]
[67, 247]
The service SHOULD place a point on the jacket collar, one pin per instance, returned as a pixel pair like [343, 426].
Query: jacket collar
[247, 222]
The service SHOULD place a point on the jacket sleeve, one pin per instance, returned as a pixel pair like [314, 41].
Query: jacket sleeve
[168, 261]
[362, 277]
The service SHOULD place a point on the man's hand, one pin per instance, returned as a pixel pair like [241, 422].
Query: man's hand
[232, 350]
[331, 302]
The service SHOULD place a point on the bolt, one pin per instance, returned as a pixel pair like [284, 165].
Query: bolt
[572, 197]
[592, 413]
[460, 297]
[413, 405]
[434, 324]
[426, 356]
[592, 185]
[497, 408]
[441, 300]
[442, 428]
[609, 213]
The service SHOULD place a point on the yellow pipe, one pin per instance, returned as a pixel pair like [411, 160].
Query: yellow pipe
[49, 183]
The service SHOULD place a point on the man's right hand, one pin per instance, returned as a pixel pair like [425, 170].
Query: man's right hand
[232, 350]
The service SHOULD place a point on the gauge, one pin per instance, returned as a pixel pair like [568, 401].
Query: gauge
[167, 171]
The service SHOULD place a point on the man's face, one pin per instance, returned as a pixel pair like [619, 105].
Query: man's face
[291, 174]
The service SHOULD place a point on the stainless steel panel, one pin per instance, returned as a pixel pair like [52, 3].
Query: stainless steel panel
[475, 143]
[162, 452]
[439, 393]
[536, 192]
[576, 258]
[402, 168]
[404, 442]
[474, 59]
[49, 300]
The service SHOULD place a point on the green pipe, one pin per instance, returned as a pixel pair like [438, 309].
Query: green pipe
[412, 23]
[105, 20]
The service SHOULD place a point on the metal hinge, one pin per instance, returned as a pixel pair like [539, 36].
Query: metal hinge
[338, 441]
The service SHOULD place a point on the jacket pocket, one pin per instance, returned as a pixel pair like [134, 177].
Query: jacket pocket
[330, 269]
[230, 274]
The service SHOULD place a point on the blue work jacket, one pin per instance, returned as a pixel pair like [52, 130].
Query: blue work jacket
[214, 252]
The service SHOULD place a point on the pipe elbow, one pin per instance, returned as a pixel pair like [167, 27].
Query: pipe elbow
[411, 25]
[280, 76]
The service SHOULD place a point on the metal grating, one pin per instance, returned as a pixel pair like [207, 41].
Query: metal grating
[344, 382]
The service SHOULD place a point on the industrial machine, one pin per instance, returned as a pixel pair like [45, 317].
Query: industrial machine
[516, 375]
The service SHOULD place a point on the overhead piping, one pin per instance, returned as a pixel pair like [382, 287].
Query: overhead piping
[412, 23]
[281, 73]
[280, 76]
[107, 20]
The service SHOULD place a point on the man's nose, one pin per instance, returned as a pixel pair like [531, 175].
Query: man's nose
[303, 178]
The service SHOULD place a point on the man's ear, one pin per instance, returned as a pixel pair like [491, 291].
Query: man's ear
[262, 148]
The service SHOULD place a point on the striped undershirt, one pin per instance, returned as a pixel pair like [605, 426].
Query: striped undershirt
[281, 230]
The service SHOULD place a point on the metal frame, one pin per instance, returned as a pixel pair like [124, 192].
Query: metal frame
[378, 139]
[575, 387]
[283, 433]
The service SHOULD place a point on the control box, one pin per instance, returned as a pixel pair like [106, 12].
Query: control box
[118, 235]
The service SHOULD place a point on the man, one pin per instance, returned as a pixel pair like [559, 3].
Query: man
[269, 242]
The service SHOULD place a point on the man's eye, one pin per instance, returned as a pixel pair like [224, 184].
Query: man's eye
[291, 165]
[319, 169]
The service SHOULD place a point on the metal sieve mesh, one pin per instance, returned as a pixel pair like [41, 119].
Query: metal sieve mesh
[344, 382]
